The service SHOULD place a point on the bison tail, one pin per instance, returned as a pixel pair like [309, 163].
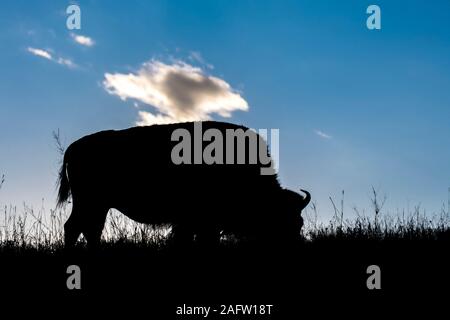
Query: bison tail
[63, 182]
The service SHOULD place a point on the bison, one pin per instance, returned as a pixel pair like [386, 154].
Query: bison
[138, 172]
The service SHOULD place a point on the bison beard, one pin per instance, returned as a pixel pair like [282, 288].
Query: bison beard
[131, 170]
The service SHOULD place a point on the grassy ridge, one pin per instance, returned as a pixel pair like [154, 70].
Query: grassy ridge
[135, 263]
[329, 262]
[27, 229]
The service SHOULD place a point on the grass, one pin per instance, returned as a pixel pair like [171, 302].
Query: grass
[41, 230]
[28, 229]
[414, 225]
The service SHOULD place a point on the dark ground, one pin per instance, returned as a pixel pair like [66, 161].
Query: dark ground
[320, 277]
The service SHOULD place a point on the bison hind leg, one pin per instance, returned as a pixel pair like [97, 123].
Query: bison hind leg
[71, 233]
[72, 228]
[85, 220]
[93, 228]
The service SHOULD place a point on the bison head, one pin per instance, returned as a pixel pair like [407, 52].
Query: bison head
[291, 205]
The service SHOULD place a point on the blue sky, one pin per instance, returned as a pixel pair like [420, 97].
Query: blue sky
[355, 107]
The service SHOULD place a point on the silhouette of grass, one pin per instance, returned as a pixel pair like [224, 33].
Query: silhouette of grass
[383, 227]
[36, 230]
[29, 229]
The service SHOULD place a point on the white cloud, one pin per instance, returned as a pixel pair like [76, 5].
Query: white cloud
[83, 40]
[40, 53]
[322, 134]
[47, 55]
[148, 118]
[179, 92]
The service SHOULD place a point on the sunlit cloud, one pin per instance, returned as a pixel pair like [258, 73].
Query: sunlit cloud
[322, 134]
[83, 40]
[179, 92]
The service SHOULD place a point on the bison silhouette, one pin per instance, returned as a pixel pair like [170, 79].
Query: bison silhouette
[134, 171]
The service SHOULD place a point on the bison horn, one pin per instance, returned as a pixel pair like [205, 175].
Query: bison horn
[306, 199]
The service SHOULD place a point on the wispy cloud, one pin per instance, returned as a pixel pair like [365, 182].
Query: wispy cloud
[197, 56]
[40, 53]
[322, 134]
[83, 40]
[179, 92]
[47, 55]
[66, 62]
